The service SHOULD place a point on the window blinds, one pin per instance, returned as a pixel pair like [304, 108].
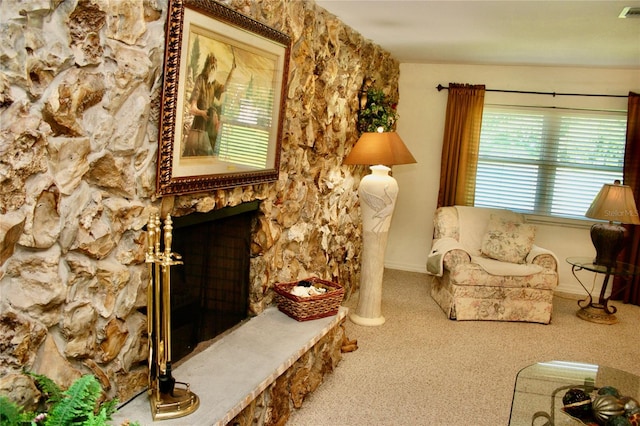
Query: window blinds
[547, 161]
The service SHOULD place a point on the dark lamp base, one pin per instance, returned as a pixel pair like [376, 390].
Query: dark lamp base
[608, 239]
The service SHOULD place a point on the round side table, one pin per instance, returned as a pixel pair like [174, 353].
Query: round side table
[600, 311]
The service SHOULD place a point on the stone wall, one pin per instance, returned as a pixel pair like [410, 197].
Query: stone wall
[276, 403]
[80, 87]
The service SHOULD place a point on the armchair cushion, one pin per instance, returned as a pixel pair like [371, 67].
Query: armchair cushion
[502, 268]
[507, 241]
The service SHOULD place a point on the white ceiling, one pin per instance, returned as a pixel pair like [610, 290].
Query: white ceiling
[509, 32]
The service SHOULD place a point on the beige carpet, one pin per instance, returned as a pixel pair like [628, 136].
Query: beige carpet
[420, 368]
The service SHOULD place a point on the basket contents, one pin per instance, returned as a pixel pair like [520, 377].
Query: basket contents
[605, 407]
[306, 289]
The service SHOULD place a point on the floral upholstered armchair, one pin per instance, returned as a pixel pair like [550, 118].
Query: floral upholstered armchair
[487, 267]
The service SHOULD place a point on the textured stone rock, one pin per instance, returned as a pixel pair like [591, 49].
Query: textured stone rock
[111, 277]
[96, 238]
[11, 226]
[135, 350]
[68, 161]
[115, 335]
[131, 250]
[110, 172]
[6, 98]
[46, 219]
[78, 324]
[126, 20]
[36, 285]
[77, 211]
[81, 270]
[128, 297]
[31, 55]
[53, 364]
[299, 386]
[21, 390]
[128, 136]
[102, 377]
[84, 24]
[78, 91]
[20, 337]
[124, 214]
[129, 383]
[134, 68]
[267, 233]
[23, 143]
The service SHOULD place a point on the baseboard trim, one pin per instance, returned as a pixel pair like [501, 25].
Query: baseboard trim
[406, 267]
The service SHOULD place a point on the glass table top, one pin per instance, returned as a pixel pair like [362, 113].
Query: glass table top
[620, 268]
[539, 388]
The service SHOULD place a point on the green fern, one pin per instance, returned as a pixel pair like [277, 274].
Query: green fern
[78, 405]
[78, 402]
[52, 391]
[11, 415]
[104, 415]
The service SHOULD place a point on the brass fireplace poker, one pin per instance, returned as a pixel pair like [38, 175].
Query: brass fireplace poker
[167, 400]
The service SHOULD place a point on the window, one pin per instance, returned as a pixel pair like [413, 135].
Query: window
[549, 162]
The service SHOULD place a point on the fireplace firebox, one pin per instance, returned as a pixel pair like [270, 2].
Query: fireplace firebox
[210, 290]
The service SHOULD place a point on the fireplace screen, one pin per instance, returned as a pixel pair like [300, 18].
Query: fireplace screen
[210, 291]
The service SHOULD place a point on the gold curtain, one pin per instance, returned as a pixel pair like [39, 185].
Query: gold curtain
[631, 177]
[460, 144]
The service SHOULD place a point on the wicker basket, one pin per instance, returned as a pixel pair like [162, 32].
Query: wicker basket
[311, 307]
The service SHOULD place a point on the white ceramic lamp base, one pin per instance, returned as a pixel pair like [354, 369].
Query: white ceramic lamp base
[378, 192]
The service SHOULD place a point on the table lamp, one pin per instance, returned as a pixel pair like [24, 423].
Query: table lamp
[614, 202]
[378, 192]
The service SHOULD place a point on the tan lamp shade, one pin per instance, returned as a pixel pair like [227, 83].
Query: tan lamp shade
[614, 203]
[380, 148]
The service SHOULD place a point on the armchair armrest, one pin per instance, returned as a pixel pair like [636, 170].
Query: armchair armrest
[543, 257]
[455, 257]
[446, 253]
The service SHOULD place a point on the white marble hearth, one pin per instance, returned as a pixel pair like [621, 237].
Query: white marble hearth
[236, 368]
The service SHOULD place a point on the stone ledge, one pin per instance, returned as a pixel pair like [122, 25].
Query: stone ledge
[236, 369]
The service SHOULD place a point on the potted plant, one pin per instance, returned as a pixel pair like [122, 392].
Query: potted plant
[377, 112]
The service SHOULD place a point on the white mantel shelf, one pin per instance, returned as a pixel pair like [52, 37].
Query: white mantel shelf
[235, 369]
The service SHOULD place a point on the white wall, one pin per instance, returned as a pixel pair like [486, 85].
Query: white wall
[421, 125]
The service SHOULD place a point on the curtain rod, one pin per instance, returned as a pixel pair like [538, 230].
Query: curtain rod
[440, 87]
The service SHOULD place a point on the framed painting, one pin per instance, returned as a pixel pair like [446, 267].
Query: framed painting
[223, 99]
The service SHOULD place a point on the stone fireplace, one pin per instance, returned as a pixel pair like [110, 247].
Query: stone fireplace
[210, 290]
[80, 96]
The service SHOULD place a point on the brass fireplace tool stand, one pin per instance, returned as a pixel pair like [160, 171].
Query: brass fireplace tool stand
[169, 398]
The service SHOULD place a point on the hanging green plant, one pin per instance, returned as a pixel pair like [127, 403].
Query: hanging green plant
[378, 112]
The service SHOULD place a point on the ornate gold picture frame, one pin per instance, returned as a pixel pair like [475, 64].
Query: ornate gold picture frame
[223, 99]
